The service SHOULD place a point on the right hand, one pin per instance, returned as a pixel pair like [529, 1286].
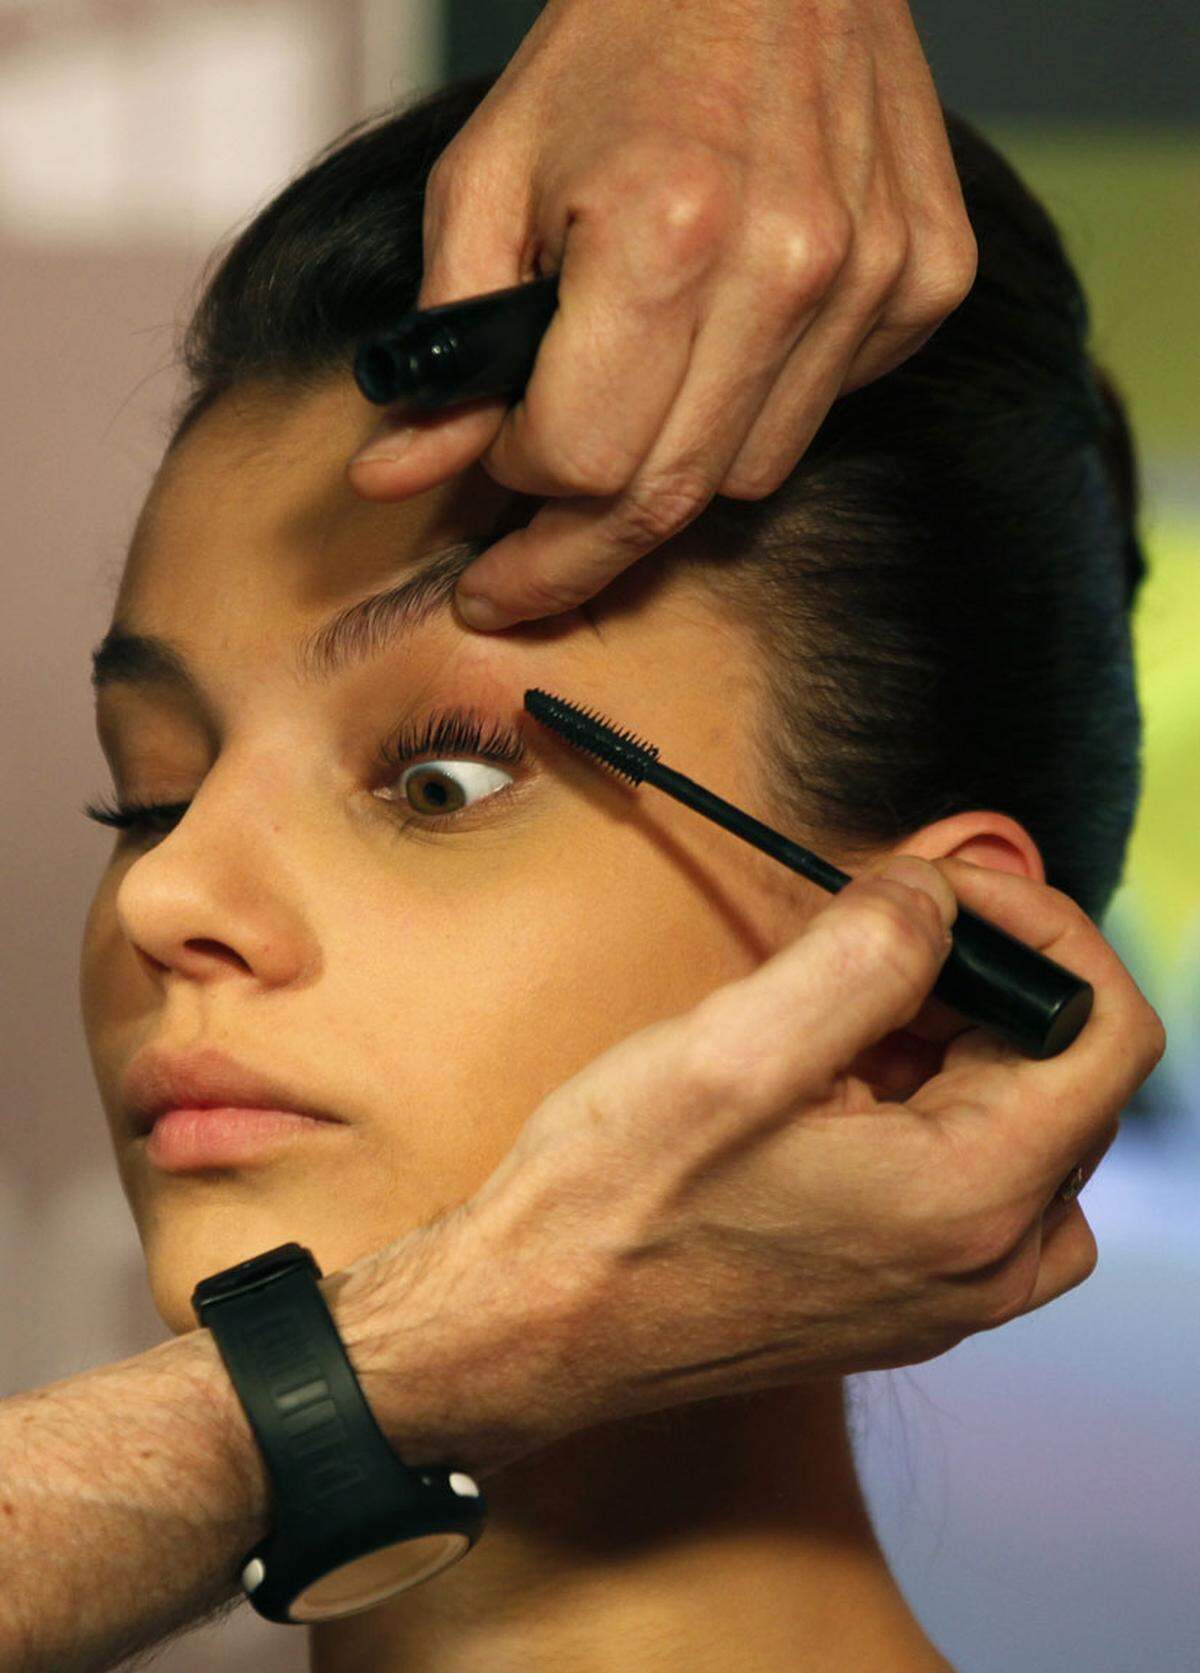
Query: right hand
[753, 207]
[721, 1203]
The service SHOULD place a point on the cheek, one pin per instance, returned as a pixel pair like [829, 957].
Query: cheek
[461, 1018]
[98, 957]
[119, 1001]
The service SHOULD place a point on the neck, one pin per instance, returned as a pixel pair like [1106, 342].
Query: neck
[627, 1536]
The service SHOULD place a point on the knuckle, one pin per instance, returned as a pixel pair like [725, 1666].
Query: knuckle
[686, 198]
[688, 222]
[551, 595]
[597, 467]
[883, 255]
[1156, 1039]
[805, 253]
[949, 265]
[755, 479]
[714, 1074]
[659, 507]
[984, 1241]
[888, 931]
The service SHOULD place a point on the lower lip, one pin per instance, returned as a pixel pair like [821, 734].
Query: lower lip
[219, 1138]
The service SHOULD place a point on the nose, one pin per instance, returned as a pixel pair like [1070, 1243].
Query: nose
[207, 910]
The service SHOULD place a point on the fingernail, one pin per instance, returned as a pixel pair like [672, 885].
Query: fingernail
[919, 874]
[481, 612]
[389, 445]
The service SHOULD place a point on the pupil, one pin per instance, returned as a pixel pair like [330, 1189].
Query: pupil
[433, 791]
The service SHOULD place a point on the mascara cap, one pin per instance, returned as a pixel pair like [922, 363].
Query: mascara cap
[995, 980]
[462, 351]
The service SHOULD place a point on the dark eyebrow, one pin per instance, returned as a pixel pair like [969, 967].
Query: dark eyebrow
[354, 635]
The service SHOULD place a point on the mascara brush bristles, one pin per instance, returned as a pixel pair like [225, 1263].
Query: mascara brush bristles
[622, 751]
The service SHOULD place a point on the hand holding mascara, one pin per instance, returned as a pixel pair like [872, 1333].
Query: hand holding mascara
[989, 977]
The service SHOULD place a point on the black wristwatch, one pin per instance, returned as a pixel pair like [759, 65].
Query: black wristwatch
[353, 1524]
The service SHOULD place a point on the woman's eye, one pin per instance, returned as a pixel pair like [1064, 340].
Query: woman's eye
[434, 791]
[435, 788]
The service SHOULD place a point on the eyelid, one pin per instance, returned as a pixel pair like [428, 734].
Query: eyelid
[442, 733]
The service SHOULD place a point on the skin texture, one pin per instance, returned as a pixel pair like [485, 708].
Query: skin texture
[433, 987]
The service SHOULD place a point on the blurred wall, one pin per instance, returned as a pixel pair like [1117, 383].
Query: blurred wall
[1035, 1489]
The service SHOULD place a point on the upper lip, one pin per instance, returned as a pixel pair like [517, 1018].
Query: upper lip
[204, 1078]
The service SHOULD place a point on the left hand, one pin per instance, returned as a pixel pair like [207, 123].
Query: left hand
[753, 209]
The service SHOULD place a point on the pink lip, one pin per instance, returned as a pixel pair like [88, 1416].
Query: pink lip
[205, 1079]
[183, 1140]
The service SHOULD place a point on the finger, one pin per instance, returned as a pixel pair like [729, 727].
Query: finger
[1069, 1256]
[936, 279]
[784, 1034]
[603, 381]
[937, 275]
[607, 372]
[1056, 1253]
[943, 253]
[615, 355]
[572, 549]
[616, 351]
[1034, 1120]
[794, 410]
[815, 371]
[902, 278]
[409, 453]
[885, 348]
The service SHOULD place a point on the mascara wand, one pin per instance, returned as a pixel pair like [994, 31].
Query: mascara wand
[989, 977]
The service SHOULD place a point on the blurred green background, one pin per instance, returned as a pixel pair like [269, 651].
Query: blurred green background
[1126, 203]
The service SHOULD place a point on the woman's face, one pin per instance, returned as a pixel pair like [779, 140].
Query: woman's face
[427, 978]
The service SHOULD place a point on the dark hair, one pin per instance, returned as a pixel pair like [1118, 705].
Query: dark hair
[941, 586]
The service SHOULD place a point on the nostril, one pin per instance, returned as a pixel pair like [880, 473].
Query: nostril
[214, 949]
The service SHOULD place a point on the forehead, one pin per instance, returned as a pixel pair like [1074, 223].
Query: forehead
[253, 512]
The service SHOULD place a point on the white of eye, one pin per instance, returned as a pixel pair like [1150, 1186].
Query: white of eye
[441, 798]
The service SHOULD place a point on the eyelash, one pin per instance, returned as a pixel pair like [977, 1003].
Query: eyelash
[444, 732]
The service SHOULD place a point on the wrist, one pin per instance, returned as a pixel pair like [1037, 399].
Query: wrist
[438, 1348]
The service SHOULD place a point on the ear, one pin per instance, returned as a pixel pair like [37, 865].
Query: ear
[904, 1060]
[981, 839]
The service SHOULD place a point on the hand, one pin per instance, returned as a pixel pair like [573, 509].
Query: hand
[753, 208]
[722, 1203]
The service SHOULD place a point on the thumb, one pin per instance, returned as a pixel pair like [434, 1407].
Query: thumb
[408, 453]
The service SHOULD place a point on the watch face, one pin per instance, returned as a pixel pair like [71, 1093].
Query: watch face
[363, 1583]
[258, 1269]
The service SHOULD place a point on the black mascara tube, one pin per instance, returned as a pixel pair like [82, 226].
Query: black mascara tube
[464, 351]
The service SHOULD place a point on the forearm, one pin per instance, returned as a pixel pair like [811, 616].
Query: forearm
[129, 1493]
[129, 1496]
